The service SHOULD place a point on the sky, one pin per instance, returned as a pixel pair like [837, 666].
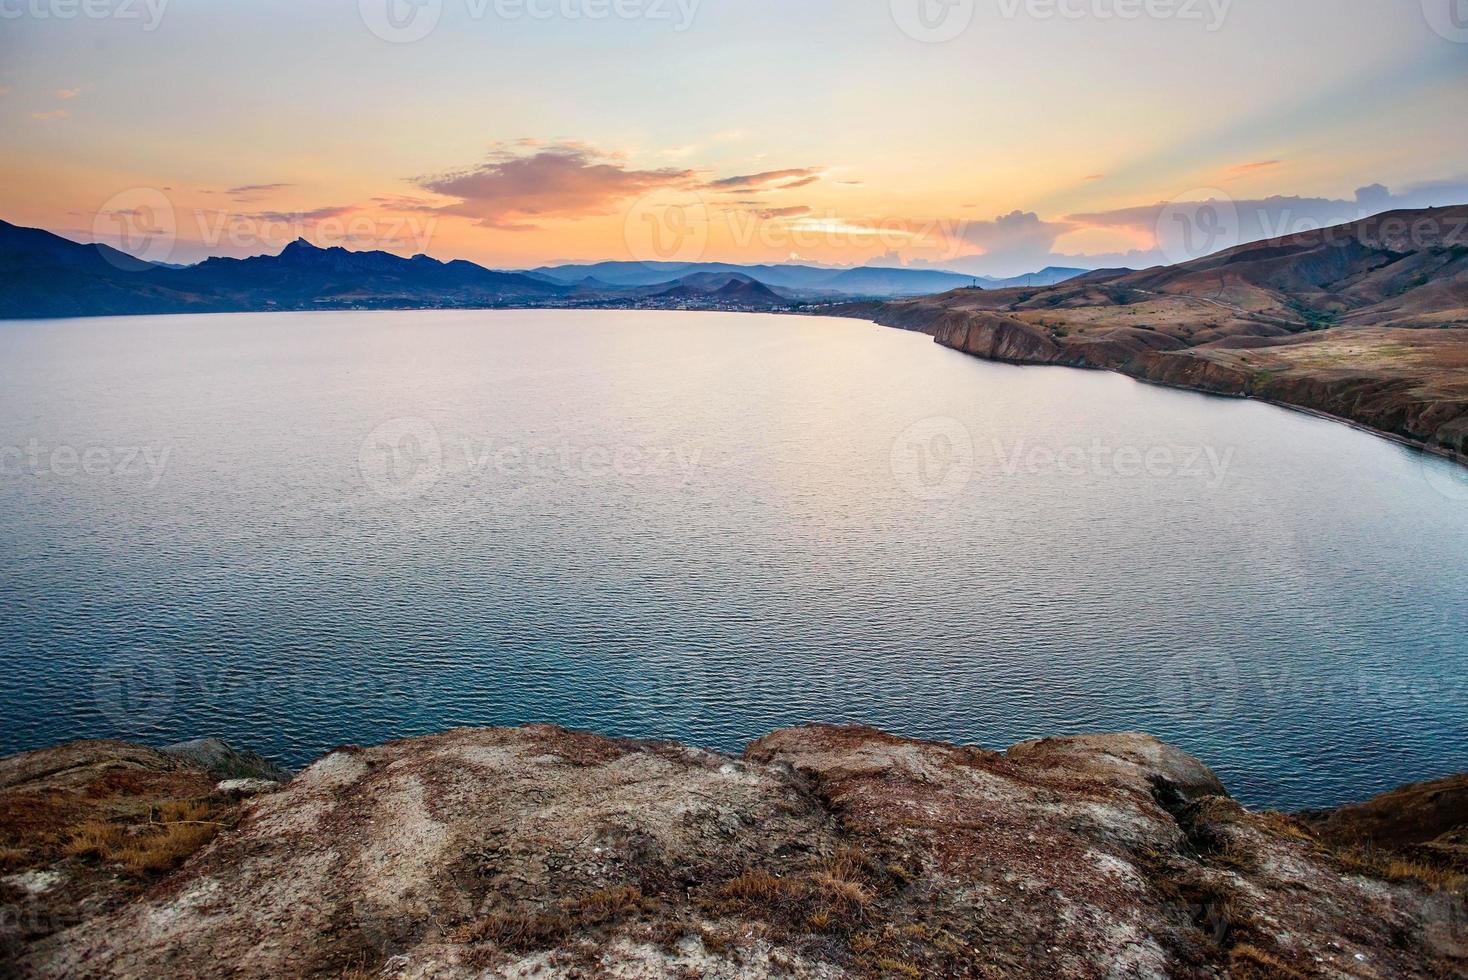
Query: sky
[986, 136]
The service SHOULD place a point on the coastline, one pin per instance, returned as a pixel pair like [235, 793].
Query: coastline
[866, 313]
[1137, 372]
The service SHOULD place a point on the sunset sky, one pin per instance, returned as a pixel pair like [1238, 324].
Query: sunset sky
[523, 132]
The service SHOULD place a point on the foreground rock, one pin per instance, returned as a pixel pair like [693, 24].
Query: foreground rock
[824, 852]
[88, 825]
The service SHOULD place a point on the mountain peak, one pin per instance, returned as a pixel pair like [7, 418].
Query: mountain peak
[300, 247]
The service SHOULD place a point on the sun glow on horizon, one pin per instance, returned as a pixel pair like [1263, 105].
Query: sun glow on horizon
[870, 145]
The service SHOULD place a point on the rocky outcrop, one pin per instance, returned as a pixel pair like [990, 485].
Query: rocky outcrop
[86, 826]
[224, 762]
[996, 337]
[823, 852]
[1390, 404]
[1366, 322]
[1422, 400]
[1424, 821]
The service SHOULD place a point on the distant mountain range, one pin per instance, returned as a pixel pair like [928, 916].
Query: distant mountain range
[870, 281]
[45, 275]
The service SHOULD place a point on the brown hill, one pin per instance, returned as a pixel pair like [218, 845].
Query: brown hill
[1366, 321]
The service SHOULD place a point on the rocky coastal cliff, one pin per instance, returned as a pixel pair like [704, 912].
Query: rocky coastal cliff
[822, 852]
[1409, 386]
[1366, 322]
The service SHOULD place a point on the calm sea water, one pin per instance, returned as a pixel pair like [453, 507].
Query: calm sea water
[298, 531]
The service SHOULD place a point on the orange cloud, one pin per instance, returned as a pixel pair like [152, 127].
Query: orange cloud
[1245, 168]
[770, 180]
[302, 217]
[255, 190]
[569, 180]
[53, 114]
[792, 212]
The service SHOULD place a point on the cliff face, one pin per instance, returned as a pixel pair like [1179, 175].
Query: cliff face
[823, 852]
[1408, 384]
[997, 337]
[1367, 322]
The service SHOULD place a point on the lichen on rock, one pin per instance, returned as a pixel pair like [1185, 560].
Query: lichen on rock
[822, 852]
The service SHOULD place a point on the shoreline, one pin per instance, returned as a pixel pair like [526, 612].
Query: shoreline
[824, 311]
[1408, 442]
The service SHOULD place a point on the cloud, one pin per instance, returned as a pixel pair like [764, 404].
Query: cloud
[302, 217]
[1245, 168]
[68, 93]
[402, 202]
[770, 180]
[1094, 177]
[798, 211]
[1017, 239]
[255, 190]
[567, 180]
[53, 114]
[1021, 241]
[4, 90]
[1280, 215]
